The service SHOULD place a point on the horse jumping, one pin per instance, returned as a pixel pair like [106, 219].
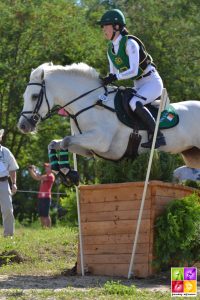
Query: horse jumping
[97, 130]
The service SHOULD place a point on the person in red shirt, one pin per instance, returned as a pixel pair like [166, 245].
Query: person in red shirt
[44, 195]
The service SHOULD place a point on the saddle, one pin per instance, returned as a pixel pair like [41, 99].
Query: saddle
[169, 118]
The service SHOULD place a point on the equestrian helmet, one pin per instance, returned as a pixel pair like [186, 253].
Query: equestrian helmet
[112, 17]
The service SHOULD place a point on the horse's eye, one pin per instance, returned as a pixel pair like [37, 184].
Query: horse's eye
[34, 97]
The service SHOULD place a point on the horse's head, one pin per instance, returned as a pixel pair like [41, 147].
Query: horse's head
[36, 104]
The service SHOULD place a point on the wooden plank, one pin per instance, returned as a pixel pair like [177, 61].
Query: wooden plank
[116, 249]
[173, 192]
[115, 258]
[114, 186]
[118, 194]
[113, 227]
[116, 239]
[113, 206]
[163, 200]
[140, 270]
[114, 216]
[159, 210]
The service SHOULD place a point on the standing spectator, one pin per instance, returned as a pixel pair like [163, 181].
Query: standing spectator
[185, 173]
[44, 195]
[8, 167]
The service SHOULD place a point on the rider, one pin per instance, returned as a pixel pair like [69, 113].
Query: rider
[128, 59]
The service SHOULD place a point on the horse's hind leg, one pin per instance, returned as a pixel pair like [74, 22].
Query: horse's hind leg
[191, 157]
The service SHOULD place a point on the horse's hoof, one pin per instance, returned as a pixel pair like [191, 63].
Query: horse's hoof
[54, 145]
[65, 143]
[73, 176]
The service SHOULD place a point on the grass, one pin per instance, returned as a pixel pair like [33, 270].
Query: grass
[45, 254]
[44, 251]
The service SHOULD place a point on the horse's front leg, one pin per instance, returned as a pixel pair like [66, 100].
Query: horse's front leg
[55, 144]
[96, 140]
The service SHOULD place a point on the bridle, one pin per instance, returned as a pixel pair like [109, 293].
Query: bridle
[33, 120]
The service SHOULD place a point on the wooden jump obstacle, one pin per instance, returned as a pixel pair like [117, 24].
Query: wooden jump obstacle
[109, 214]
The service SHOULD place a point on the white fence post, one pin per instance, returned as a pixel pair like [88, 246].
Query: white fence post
[79, 216]
[163, 99]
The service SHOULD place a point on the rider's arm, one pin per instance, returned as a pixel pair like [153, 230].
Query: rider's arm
[132, 50]
[113, 70]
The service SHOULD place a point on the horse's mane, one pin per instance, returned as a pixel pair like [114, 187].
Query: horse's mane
[82, 69]
[77, 69]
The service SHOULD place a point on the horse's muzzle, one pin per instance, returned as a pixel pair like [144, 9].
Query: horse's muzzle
[26, 125]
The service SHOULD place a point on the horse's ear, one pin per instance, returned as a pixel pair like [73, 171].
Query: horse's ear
[42, 75]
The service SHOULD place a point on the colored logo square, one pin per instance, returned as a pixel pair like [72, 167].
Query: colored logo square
[190, 273]
[177, 274]
[177, 286]
[190, 286]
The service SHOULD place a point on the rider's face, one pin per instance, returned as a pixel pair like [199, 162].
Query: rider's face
[108, 31]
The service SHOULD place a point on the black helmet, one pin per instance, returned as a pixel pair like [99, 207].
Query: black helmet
[112, 17]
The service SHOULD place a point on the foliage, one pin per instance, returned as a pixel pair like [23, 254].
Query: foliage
[168, 29]
[116, 288]
[63, 31]
[192, 183]
[70, 205]
[25, 44]
[178, 233]
[127, 170]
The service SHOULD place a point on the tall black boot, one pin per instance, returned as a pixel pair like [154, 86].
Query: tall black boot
[145, 115]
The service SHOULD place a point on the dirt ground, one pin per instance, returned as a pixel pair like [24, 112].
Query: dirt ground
[159, 283]
[79, 282]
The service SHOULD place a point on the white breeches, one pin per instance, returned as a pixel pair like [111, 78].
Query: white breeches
[149, 87]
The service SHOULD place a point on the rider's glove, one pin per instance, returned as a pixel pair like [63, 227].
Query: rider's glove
[109, 79]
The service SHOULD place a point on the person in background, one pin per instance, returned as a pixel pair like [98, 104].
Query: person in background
[185, 173]
[8, 167]
[128, 59]
[44, 195]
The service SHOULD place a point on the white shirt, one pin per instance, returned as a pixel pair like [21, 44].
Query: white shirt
[185, 173]
[7, 162]
[132, 50]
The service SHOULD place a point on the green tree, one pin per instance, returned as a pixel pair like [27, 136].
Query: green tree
[65, 31]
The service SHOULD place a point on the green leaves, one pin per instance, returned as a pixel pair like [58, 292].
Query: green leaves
[64, 31]
[177, 233]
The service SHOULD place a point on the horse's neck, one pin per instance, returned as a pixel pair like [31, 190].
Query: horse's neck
[66, 88]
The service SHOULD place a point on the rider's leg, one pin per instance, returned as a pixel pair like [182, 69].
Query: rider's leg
[145, 115]
[150, 88]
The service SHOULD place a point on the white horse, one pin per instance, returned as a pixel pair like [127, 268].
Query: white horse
[96, 129]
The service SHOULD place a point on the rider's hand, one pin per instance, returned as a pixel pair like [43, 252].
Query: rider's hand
[109, 79]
